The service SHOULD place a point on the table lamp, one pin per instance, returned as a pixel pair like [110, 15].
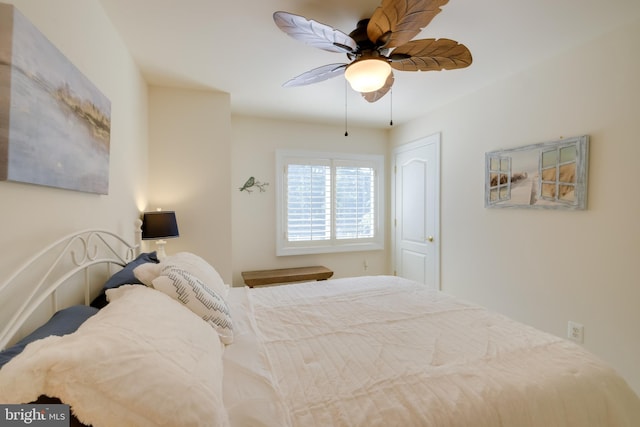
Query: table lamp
[159, 225]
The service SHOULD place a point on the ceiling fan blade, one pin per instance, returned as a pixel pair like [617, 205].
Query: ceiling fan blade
[395, 22]
[374, 96]
[316, 75]
[430, 55]
[314, 33]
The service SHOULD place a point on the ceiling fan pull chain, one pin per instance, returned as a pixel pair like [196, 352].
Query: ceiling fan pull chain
[346, 132]
[391, 107]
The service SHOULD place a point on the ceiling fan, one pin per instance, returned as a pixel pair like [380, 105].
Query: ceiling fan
[377, 45]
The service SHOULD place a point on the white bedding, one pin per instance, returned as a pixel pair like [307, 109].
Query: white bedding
[367, 351]
[382, 351]
[145, 360]
[249, 395]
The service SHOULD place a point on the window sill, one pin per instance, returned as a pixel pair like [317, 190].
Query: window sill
[349, 247]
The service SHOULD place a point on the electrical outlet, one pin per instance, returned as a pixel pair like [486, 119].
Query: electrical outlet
[575, 331]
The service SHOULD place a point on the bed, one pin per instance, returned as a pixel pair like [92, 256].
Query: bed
[170, 344]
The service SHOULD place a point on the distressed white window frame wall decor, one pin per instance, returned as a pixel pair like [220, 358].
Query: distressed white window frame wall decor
[550, 175]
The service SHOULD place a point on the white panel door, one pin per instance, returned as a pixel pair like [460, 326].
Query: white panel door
[416, 211]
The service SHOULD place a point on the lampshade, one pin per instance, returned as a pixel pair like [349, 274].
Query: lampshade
[367, 75]
[159, 225]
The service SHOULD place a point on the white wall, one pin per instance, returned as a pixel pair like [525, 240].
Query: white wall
[190, 170]
[255, 142]
[547, 267]
[32, 216]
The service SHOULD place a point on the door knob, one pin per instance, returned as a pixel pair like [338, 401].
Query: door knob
[430, 238]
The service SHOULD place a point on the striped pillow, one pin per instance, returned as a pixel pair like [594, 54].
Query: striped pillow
[183, 286]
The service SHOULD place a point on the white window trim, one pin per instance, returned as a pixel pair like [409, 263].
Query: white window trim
[284, 248]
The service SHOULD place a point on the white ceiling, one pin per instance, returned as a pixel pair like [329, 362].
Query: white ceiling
[234, 47]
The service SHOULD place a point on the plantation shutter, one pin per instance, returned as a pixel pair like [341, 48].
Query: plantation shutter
[308, 200]
[355, 201]
[328, 202]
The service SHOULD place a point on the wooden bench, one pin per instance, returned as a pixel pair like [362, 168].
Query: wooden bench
[285, 275]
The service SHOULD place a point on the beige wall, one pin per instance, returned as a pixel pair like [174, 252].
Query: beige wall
[32, 216]
[190, 170]
[547, 267]
[255, 142]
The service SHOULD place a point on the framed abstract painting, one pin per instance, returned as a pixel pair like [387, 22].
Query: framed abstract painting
[55, 125]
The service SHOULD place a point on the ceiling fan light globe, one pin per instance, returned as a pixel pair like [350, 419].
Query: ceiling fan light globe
[367, 75]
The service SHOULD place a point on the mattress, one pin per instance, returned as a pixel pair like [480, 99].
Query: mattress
[385, 351]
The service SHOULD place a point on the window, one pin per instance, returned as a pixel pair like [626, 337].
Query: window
[329, 202]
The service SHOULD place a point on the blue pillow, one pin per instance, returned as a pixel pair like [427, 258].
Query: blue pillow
[63, 322]
[124, 277]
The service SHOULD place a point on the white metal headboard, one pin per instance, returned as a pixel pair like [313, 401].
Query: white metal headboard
[62, 260]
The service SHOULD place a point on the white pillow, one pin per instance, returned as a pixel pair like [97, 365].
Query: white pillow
[198, 297]
[186, 261]
[147, 271]
[143, 360]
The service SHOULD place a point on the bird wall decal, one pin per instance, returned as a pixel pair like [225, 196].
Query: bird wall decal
[252, 182]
